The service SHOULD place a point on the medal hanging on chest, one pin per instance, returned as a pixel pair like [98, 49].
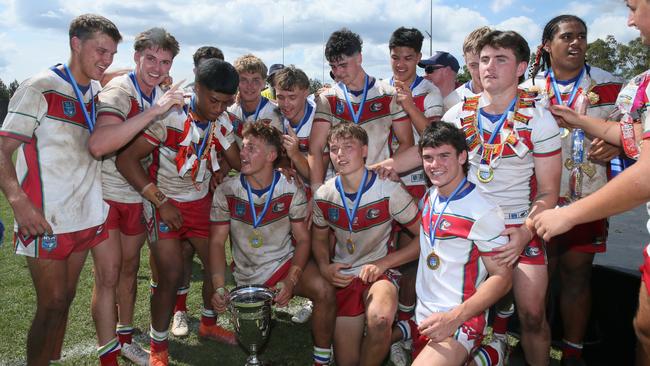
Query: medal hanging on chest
[350, 246]
[255, 238]
[490, 151]
[433, 259]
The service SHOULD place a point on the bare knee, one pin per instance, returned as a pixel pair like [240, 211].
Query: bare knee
[52, 312]
[379, 323]
[642, 330]
[107, 275]
[532, 320]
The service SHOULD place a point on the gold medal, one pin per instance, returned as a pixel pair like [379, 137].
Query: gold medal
[564, 132]
[433, 261]
[255, 239]
[485, 173]
[349, 245]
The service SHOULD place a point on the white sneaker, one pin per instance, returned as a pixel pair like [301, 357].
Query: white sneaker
[398, 355]
[180, 326]
[135, 354]
[303, 315]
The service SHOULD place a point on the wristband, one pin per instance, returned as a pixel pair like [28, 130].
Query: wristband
[154, 195]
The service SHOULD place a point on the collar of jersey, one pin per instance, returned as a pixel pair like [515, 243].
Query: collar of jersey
[259, 192]
[82, 88]
[459, 195]
[371, 180]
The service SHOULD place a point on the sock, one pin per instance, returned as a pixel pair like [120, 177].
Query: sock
[152, 286]
[486, 356]
[208, 317]
[322, 355]
[181, 299]
[405, 327]
[108, 353]
[158, 340]
[124, 333]
[500, 325]
[569, 349]
[404, 312]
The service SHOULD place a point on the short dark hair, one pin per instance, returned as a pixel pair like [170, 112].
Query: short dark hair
[269, 134]
[543, 58]
[342, 42]
[86, 25]
[406, 37]
[347, 130]
[156, 38]
[218, 76]
[443, 133]
[510, 40]
[207, 52]
[291, 77]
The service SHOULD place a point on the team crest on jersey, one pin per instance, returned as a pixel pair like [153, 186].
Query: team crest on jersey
[531, 251]
[373, 213]
[163, 227]
[376, 107]
[333, 213]
[278, 207]
[339, 107]
[444, 225]
[69, 109]
[240, 209]
[48, 242]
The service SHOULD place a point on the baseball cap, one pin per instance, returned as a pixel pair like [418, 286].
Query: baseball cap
[273, 69]
[441, 58]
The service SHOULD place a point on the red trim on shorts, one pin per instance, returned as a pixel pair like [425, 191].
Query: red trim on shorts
[279, 274]
[66, 243]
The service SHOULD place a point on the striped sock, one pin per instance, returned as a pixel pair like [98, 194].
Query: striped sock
[486, 356]
[152, 286]
[404, 326]
[404, 312]
[322, 355]
[108, 353]
[124, 333]
[181, 299]
[208, 317]
[158, 340]
[501, 319]
[569, 349]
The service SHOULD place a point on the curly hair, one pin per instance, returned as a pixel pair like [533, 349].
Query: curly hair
[251, 63]
[406, 37]
[267, 133]
[342, 42]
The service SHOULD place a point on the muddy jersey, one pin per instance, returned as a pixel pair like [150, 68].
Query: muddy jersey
[53, 164]
[469, 228]
[175, 166]
[381, 202]
[380, 111]
[121, 99]
[255, 262]
[530, 131]
[601, 89]
[266, 112]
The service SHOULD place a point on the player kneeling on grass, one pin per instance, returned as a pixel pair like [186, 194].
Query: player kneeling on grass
[265, 216]
[359, 208]
[459, 230]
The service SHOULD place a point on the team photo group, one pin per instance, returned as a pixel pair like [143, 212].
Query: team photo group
[400, 210]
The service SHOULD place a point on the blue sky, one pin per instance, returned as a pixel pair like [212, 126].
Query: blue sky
[33, 33]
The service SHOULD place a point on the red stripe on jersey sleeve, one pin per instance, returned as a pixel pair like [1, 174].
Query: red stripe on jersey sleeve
[550, 153]
[16, 136]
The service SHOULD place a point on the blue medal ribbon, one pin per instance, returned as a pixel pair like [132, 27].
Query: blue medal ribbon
[257, 220]
[139, 91]
[258, 109]
[499, 123]
[356, 116]
[305, 118]
[90, 119]
[434, 229]
[351, 214]
[199, 150]
[556, 89]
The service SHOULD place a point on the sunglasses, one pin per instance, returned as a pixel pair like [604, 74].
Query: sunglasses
[429, 69]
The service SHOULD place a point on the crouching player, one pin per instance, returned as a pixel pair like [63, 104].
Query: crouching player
[459, 230]
[359, 208]
[264, 214]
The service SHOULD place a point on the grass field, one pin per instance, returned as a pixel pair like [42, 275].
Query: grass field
[290, 344]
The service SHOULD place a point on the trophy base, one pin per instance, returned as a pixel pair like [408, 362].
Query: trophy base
[254, 361]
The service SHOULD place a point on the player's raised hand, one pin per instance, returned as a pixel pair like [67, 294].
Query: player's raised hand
[291, 143]
[550, 223]
[172, 97]
[404, 96]
[565, 116]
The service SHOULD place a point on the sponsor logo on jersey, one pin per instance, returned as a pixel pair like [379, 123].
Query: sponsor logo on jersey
[69, 109]
[373, 213]
[376, 107]
[278, 207]
[240, 209]
[48, 242]
[333, 214]
[444, 225]
[339, 107]
[531, 251]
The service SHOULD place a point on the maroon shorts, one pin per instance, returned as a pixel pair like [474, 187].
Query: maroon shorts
[469, 335]
[645, 268]
[279, 274]
[126, 217]
[590, 237]
[349, 299]
[534, 252]
[59, 246]
[196, 221]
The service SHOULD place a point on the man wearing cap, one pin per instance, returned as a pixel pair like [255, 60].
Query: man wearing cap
[269, 92]
[441, 70]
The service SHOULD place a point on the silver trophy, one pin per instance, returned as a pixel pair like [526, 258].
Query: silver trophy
[250, 307]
